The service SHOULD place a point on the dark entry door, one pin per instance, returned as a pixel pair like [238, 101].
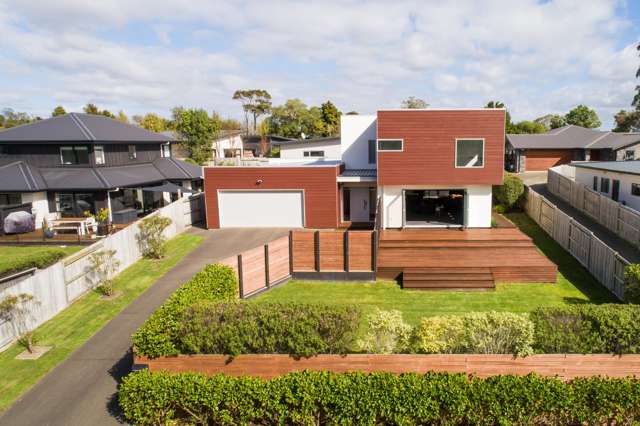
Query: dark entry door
[615, 190]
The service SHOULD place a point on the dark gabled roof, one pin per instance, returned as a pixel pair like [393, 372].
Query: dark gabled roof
[177, 170]
[359, 173]
[570, 137]
[329, 140]
[629, 167]
[71, 178]
[84, 128]
[20, 177]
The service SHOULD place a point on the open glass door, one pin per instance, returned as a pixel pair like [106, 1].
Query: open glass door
[442, 208]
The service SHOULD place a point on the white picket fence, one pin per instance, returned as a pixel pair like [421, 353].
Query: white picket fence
[621, 220]
[604, 263]
[57, 286]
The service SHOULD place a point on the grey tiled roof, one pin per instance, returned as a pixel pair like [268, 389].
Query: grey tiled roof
[573, 137]
[629, 167]
[359, 173]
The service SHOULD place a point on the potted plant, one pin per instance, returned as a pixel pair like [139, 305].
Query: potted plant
[46, 229]
[102, 219]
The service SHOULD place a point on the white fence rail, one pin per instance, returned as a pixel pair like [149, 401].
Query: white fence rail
[605, 264]
[57, 286]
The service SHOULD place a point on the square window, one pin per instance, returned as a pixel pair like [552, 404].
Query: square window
[604, 185]
[635, 189]
[98, 151]
[390, 144]
[132, 152]
[67, 155]
[165, 151]
[629, 154]
[469, 153]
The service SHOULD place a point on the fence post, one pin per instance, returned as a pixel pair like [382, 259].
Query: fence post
[240, 283]
[316, 246]
[266, 264]
[374, 250]
[345, 246]
[290, 252]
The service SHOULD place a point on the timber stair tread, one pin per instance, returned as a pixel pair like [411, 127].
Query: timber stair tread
[447, 279]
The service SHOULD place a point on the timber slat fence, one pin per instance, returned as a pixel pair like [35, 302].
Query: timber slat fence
[604, 263]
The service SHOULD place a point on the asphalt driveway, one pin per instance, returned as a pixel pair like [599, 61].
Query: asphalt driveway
[82, 390]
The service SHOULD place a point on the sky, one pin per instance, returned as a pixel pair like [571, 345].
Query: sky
[141, 56]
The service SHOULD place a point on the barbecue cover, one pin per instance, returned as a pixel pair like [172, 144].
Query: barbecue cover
[18, 222]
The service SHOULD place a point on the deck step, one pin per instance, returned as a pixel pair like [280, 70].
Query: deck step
[453, 244]
[449, 285]
[447, 278]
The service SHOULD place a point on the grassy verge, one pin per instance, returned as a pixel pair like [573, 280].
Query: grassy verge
[75, 325]
[17, 258]
[574, 285]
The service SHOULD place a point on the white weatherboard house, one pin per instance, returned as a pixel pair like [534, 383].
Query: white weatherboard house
[620, 180]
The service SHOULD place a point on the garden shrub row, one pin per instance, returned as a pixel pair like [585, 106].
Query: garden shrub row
[247, 328]
[38, 260]
[312, 398]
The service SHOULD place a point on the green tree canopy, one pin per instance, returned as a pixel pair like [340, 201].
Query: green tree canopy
[93, 109]
[59, 110]
[122, 117]
[294, 119]
[10, 118]
[498, 104]
[197, 131]
[583, 116]
[152, 122]
[331, 118]
[255, 102]
[551, 121]
[526, 126]
[414, 103]
[627, 121]
[636, 98]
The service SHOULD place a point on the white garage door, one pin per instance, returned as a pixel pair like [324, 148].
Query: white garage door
[263, 209]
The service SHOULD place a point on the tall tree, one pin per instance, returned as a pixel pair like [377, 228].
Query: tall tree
[526, 126]
[636, 98]
[153, 122]
[295, 120]
[255, 102]
[507, 119]
[197, 131]
[627, 121]
[331, 118]
[414, 103]
[551, 121]
[122, 117]
[59, 110]
[93, 110]
[10, 118]
[583, 116]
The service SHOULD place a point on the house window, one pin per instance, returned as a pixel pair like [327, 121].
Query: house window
[98, 151]
[373, 204]
[390, 144]
[604, 185]
[4, 150]
[629, 154]
[635, 189]
[10, 199]
[595, 183]
[132, 152]
[346, 204]
[372, 151]
[74, 155]
[165, 151]
[74, 204]
[313, 153]
[469, 153]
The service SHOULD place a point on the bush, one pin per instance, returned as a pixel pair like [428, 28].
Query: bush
[632, 283]
[587, 329]
[38, 260]
[380, 398]
[476, 332]
[386, 333]
[159, 334]
[151, 238]
[510, 191]
[300, 330]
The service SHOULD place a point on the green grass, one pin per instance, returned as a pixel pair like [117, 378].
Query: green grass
[12, 255]
[574, 285]
[75, 325]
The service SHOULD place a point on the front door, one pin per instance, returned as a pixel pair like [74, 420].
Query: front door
[359, 204]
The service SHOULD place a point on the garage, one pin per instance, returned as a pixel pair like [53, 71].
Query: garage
[261, 209]
[543, 159]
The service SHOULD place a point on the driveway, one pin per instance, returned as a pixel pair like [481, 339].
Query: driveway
[82, 390]
[533, 178]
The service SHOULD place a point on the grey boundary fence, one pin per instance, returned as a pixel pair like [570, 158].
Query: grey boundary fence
[604, 263]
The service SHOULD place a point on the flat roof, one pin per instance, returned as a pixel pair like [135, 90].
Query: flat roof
[284, 164]
[631, 167]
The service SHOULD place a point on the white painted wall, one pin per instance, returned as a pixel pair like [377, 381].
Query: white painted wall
[39, 206]
[478, 202]
[620, 154]
[230, 142]
[585, 177]
[355, 133]
[296, 151]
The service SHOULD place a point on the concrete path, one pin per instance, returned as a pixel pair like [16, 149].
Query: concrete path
[626, 249]
[82, 390]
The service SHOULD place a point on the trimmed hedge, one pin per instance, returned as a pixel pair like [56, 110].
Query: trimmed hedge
[510, 191]
[312, 398]
[301, 330]
[37, 260]
[587, 329]
[160, 332]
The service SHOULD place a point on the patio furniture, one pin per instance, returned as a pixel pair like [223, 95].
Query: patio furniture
[77, 224]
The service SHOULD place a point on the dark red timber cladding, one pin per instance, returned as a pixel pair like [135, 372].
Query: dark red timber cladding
[429, 137]
[321, 197]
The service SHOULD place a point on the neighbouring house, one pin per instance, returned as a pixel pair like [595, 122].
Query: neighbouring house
[328, 148]
[254, 147]
[620, 180]
[66, 165]
[539, 152]
[403, 168]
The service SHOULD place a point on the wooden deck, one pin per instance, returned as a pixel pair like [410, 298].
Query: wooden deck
[461, 259]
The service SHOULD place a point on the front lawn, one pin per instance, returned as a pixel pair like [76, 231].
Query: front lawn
[574, 285]
[18, 258]
[72, 327]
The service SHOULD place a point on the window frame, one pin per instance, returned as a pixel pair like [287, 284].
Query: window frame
[7, 195]
[378, 149]
[307, 154]
[100, 160]
[604, 180]
[168, 151]
[635, 186]
[133, 151]
[372, 151]
[455, 157]
[626, 154]
[595, 184]
[74, 149]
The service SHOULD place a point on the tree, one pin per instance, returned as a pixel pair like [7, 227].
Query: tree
[583, 116]
[59, 110]
[627, 121]
[551, 121]
[636, 98]
[93, 110]
[526, 126]
[352, 113]
[103, 266]
[197, 131]
[295, 120]
[17, 310]
[151, 238]
[264, 130]
[331, 118]
[507, 118]
[414, 103]
[122, 117]
[230, 124]
[153, 122]
[10, 118]
[256, 102]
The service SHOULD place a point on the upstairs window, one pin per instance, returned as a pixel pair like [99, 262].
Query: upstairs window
[595, 183]
[390, 145]
[372, 151]
[313, 153]
[74, 155]
[98, 151]
[132, 152]
[629, 154]
[604, 185]
[165, 151]
[635, 189]
[469, 153]
[10, 199]
[4, 150]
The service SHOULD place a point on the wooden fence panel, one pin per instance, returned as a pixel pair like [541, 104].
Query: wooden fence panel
[579, 242]
[609, 213]
[591, 203]
[629, 225]
[546, 216]
[304, 258]
[331, 248]
[360, 251]
[253, 270]
[561, 224]
[278, 259]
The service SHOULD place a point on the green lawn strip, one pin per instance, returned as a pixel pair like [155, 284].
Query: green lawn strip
[574, 285]
[12, 255]
[75, 325]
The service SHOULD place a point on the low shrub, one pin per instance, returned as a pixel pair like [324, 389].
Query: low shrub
[38, 260]
[499, 208]
[510, 191]
[158, 335]
[386, 333]
[475, 332]
[632, 283]
[587, 329]
[301, 330]
[312, 398]
[151, 239]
